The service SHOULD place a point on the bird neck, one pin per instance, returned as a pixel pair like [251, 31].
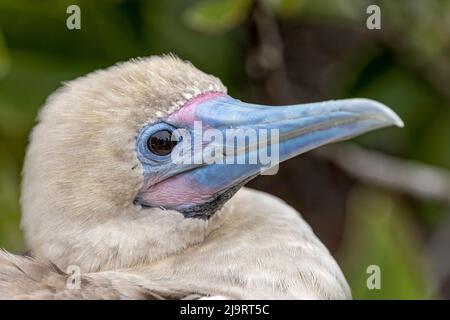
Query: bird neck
[130, 240]
[262, 249]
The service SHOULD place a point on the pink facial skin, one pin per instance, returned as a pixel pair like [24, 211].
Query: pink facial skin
[186, 114]
[175, 191]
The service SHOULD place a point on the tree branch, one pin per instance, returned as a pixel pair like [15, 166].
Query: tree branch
[411, 177]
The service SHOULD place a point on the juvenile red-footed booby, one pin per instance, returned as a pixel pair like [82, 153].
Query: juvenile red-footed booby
[101, 191]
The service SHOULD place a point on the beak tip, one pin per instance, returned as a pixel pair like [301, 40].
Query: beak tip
[388, 115]
[393, 117]
[400, 123]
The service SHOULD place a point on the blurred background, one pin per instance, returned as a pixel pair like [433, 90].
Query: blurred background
[382, 199]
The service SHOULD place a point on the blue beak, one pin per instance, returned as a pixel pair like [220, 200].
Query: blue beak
[239, 140]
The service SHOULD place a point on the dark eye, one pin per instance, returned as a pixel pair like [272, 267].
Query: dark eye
[160, 143]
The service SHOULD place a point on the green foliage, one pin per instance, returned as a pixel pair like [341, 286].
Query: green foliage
[5, 61]
[216, 16]
[380, 232]
[219, 16]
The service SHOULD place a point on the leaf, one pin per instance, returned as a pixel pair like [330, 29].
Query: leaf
[286, 8]
[381, 232]
[216, 16]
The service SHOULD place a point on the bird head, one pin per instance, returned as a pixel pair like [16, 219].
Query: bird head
[134, 163]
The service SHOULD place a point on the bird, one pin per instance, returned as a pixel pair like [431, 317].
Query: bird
[103, 195]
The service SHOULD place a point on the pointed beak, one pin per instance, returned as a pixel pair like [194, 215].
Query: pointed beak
[227, 142]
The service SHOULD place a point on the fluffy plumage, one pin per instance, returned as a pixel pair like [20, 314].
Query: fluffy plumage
[81, 175]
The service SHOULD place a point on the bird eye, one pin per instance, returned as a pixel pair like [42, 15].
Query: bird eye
[160, 143]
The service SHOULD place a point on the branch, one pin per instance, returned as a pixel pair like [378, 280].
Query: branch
[411, 177]
[266, 62]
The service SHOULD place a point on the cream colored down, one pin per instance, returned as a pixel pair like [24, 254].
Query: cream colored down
[81, 175]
